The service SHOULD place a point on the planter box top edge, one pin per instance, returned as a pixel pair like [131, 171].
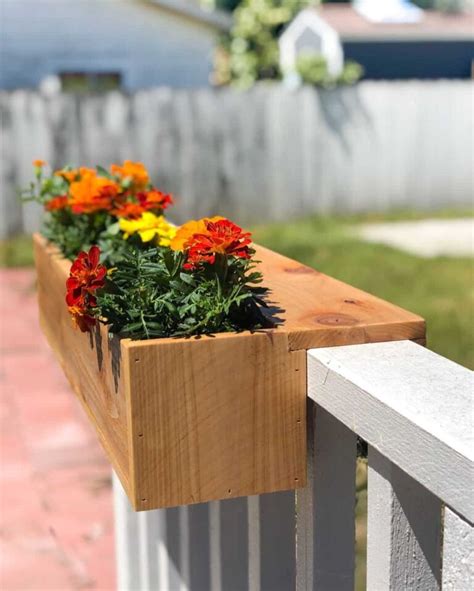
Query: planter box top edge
[314, 309]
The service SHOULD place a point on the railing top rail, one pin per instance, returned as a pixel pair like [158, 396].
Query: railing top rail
[411, 404]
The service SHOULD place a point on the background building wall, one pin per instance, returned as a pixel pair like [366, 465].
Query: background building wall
[265, 154]
[147, 45]
[389, 60]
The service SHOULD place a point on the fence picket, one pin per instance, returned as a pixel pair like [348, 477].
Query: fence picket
[264, 154]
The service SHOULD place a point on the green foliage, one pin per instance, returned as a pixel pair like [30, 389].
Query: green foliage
[150, 296]
[442, 5]
[313, 69]
[252, 46]
[73, 233]
[351, 73]
[227, 4]
[70, 232]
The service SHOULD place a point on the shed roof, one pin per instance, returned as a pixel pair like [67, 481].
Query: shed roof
[214, 18]
[351, 26]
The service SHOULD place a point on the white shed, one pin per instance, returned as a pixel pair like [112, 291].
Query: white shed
[309, 32]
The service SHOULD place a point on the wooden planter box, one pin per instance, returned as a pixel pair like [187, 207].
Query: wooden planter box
[191, 420]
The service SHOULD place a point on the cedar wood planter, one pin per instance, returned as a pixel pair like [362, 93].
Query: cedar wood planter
[191, 420]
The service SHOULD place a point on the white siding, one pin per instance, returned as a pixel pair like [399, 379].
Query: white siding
[149, 46]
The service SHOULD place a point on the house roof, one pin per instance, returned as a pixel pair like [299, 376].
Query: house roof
[434, 26]
[214, 18]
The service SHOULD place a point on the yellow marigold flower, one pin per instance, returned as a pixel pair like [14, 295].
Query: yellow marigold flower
[149, 226]
[134, 172]
[184, 232]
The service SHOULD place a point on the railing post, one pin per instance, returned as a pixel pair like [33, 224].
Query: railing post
[126, 534]
[403, 536]
[458, 553]
[326, 506]
[246, 544]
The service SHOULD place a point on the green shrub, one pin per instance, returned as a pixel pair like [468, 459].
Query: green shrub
[313, 69]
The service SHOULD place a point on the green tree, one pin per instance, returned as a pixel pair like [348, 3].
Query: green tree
[227, 4]
[250, 51]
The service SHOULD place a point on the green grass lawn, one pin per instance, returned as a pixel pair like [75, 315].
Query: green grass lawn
[440, 289]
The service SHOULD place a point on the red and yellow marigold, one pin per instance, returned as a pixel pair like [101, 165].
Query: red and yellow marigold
[220, 237]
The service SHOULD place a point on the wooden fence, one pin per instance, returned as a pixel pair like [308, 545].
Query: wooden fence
[268, 153]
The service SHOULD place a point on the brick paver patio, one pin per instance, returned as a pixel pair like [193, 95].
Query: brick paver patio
[56, 522]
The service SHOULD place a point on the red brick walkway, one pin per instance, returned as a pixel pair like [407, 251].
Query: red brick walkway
[56, 522]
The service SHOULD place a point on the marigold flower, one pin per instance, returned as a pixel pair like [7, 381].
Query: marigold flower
[39, 163]
[92, 193]
[75, 173]
[86, 276]
[129, 211]
[132, 172]
[84, 322]
[149, 226]
[56, 203]
[154, 199]
[184, 232]
[221, 237]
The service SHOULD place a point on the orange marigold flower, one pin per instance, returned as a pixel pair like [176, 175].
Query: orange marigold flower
[85, 277]
[133, 172]
[39, 163]
[55, 203]
[221, 237]
[92, 193]
[75, 173]
[190, 228]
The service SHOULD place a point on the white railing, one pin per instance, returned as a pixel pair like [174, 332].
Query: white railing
[415, 410]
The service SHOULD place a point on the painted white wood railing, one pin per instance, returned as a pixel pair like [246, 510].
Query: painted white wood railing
[415, 410]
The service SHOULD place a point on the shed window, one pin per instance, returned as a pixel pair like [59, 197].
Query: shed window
[309, 40]
[83, 82]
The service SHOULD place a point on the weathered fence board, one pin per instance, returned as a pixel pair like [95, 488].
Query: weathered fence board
[267, 153]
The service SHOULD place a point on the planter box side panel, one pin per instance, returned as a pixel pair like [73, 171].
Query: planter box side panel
[91, 362]
[216, 418]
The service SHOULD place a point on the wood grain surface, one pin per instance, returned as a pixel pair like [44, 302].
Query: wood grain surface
[192, 420]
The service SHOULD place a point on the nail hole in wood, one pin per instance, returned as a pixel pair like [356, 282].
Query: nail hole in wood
[140, 435]
[137, 360]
